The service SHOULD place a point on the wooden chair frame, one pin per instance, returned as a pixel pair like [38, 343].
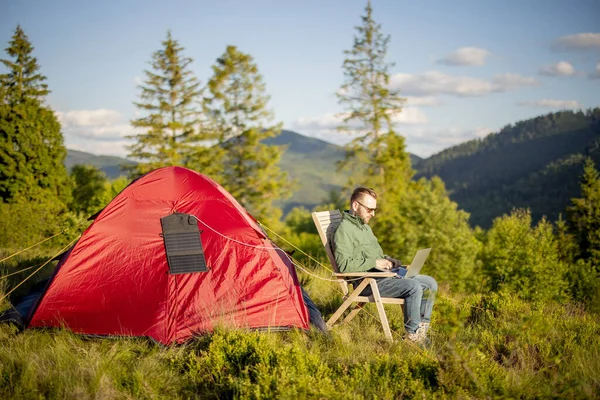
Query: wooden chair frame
[326, 223]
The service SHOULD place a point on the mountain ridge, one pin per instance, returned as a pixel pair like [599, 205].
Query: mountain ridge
[310, 161]
[534, 163]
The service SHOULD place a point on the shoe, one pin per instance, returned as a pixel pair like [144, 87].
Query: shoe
[419, 337]
[425, 326]
[12, 316]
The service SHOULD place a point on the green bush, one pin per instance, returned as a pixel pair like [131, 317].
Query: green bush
[424, 216]
[523, 260]
[584, 284]
[490, 346]
[25, 224]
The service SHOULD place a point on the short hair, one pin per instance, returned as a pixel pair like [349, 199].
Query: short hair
[360, 192]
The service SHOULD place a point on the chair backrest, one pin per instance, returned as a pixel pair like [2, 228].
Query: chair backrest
[326, 223]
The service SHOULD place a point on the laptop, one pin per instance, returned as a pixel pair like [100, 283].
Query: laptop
[415, 266]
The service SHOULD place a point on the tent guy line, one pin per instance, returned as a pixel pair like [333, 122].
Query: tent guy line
[32, 246]
[273, 248]
[234, 240]
[42, 266]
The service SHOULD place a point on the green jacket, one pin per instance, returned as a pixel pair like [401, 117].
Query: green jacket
[355, 247]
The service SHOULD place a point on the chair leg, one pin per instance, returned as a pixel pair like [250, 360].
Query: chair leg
[381, 310]
[348, 301]
[355, 311]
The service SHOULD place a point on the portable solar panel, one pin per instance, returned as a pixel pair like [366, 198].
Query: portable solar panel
[183, 245]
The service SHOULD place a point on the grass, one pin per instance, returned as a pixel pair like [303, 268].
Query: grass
[483, 346]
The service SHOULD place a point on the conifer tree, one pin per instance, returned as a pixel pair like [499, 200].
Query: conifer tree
[169, 131]
[31, 143]
[411, 214]
[23, 80]
[237, 109]
[377, 157]
[371, 105]
[584, 215]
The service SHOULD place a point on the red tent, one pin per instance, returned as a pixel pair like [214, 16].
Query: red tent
[117, 279]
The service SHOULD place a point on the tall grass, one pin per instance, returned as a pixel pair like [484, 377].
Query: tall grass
[483, 346]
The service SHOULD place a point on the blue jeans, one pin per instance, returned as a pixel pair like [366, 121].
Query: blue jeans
[418, 294]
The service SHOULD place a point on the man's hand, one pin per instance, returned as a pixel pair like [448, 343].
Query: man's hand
[395, 262]
[385, 264]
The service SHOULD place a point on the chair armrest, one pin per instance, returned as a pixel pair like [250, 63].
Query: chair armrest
[364, 274]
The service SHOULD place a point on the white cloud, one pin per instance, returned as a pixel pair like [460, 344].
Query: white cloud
[423, 101]
[435, 82]
[581, 41]
[425, 141]
[420, 140]
[596, 73]
[99, 131]
[329, 122]
[506, 82]
[138, 80]
[465, 56]
[101, 117]
[561, 68]
[549, 103]
[325, 126]
[114, 148]
[410, 116]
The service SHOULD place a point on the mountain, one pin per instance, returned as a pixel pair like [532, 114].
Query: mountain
[312, 163]
[309, 161]
[533, 164]
[110, 165]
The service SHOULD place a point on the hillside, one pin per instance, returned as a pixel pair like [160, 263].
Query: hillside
[309, 161]
[534, 163]
[110, 165]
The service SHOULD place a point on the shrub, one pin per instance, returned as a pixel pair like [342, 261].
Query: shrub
[523, 260]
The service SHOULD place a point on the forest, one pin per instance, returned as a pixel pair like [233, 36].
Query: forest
[533, 164]
[518, 312]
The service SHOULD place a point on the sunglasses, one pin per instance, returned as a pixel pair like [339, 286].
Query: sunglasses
[369, 209]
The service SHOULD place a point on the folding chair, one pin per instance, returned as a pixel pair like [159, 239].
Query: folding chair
[326, 223]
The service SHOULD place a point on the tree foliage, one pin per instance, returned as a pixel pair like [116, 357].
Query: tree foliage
[411, 214]
[169, 130]
[581, 239]
[32, 152]
[23, 81]
[88, 193]
[371, 104]
[237, 109]
[533, 163]
[522, 259]
[584, 215]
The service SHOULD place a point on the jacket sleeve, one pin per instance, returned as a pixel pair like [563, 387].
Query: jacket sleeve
[347, 258]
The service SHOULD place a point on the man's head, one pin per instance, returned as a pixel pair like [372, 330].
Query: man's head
[363, 203]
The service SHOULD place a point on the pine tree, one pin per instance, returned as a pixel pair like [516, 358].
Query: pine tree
[23, 81]
[31, 143]
[584, 215]
[378, 157]
[171, 99]
[237, 108]
[371, 105]
[411, 214]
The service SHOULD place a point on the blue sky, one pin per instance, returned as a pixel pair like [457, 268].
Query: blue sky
[467, 68]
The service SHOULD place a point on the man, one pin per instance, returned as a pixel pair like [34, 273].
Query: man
[356, 249]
